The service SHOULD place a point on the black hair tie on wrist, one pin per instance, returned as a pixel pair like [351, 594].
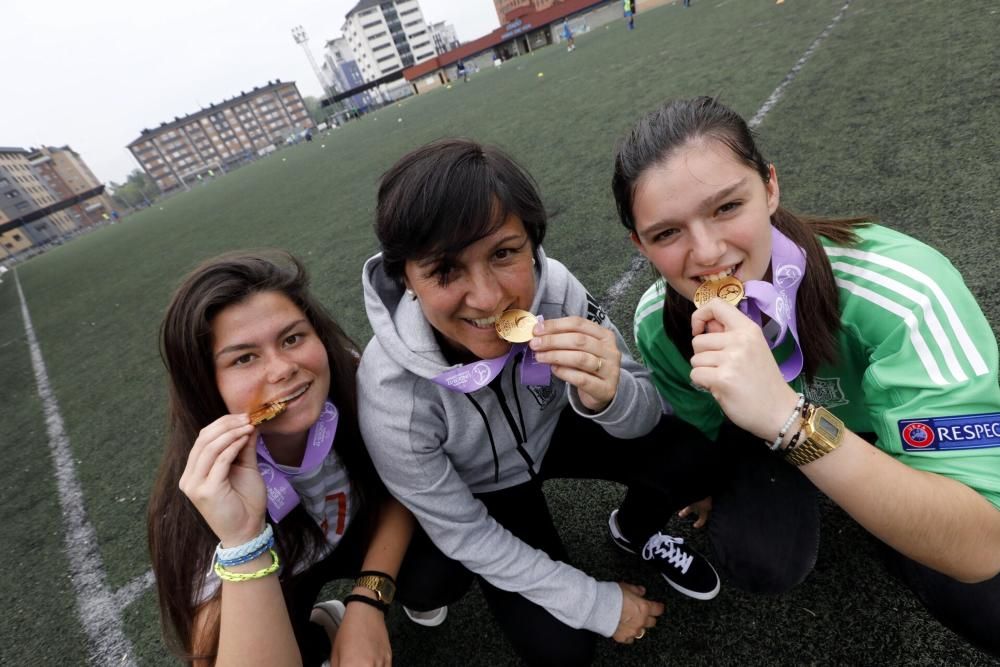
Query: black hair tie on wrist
[381, 606]
[376, 573]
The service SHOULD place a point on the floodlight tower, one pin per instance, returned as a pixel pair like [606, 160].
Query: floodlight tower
[300, 37]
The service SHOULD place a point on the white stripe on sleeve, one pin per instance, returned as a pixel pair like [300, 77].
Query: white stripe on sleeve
[921, 299]
[919, 344]
[971, 352]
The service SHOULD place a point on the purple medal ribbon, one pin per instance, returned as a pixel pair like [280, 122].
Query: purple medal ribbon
[281, 497]
[776, 299]
[471, 377]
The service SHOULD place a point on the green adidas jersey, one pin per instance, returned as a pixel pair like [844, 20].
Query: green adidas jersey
[917, 362]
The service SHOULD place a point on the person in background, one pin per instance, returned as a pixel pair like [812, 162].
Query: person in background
[567, 34]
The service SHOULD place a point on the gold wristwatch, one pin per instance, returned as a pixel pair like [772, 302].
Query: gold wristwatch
[382, 586]
[822, 433]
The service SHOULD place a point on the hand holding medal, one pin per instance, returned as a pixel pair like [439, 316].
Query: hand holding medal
[581, 352]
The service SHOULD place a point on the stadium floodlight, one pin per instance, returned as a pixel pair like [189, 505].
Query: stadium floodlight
[300, 37]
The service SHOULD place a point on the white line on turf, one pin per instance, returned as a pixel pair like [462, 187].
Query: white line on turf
[96, 605]
[131, 591]
[792, 73]
[635, 267]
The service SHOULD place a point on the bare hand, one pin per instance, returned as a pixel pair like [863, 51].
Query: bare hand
[362, 638]
[638, 613]
[732, 360]
[582, 353]
[702, 509]
[222, 481]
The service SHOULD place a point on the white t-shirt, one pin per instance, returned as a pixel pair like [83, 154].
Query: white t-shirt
[326, 495]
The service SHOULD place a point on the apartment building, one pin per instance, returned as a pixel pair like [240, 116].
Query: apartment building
[30, 210]
[388, 37]
[342, 72]
[508, 10]
[13, 240]
[444, 37]
[71, 181]
[222, 136]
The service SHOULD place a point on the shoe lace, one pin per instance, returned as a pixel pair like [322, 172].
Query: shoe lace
[667, 548]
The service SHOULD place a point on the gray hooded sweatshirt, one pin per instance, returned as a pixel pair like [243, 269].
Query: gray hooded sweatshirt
[434, 448]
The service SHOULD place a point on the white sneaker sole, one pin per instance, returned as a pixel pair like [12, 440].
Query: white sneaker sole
[695, 594]
[428, 622]
[620, 540]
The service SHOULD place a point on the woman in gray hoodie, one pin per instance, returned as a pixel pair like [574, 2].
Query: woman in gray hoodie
[464, 427]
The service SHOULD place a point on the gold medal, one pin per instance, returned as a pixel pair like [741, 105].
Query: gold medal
[729, 289]
[516, 326]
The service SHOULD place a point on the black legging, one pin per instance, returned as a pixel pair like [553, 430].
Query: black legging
[765, 531]
[664, 471]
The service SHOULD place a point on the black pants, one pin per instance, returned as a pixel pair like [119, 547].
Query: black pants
[765, 536]
[664, 471]
[302, 589]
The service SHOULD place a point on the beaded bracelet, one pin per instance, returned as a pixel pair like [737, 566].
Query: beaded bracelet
[233, 553]
[381, 606]
[788, 423]
[226, 575]
[798, 434]
[794, 441]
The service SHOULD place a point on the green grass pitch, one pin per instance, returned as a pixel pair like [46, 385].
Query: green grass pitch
[896, 114]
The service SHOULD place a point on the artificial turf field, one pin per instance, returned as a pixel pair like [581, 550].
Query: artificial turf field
[896, 114]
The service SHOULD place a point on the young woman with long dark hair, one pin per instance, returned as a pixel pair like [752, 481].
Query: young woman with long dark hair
[248, 522]
[829, 354]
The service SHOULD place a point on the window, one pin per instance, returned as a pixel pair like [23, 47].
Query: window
[21, 205]
[17, 237]
[12, 194]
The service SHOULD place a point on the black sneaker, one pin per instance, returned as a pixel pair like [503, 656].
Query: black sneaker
[684, 568]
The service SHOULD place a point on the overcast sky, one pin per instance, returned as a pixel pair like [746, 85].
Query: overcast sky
[94, 74]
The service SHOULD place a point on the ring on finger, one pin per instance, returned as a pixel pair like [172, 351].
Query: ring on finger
[600, 363]
[642, 633]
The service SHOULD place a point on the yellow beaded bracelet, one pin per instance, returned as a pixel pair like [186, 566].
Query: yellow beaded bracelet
[227, 575]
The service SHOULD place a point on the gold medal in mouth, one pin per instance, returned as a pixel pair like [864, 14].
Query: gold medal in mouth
[516, 326]
[729, 289]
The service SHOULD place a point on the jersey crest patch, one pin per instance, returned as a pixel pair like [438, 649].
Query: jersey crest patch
[825, 392]
[543, 394]
[948, 433]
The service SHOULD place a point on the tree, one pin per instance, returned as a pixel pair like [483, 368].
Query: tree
[316, 111]
[137, 191]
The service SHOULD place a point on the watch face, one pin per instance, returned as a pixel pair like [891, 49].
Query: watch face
[827, 428]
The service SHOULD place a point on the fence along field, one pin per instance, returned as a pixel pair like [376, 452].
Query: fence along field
[891, 114]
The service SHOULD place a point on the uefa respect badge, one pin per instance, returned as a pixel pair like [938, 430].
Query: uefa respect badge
[949, 433]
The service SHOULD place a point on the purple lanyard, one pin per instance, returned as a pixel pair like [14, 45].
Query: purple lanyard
[281, 497]
[471, 377]
[776, 299]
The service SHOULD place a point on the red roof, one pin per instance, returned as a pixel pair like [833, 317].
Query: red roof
[505, 33]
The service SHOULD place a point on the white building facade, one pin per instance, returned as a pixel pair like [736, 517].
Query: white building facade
[444, 37]
[388, 36]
